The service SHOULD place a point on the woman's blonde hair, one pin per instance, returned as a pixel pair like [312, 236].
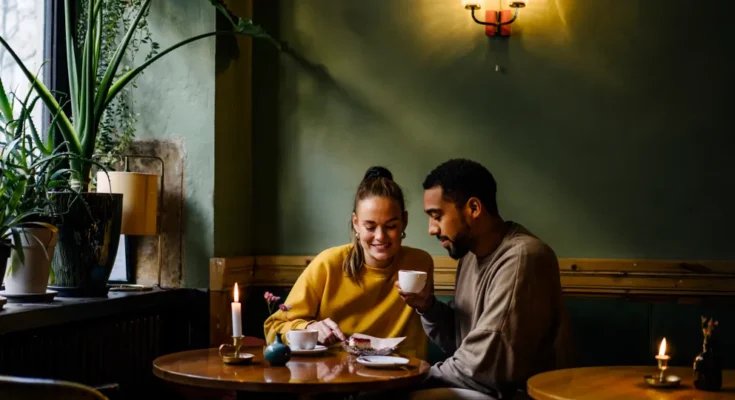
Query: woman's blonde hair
[378, 181]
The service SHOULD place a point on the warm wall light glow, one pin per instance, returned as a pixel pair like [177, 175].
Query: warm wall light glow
[497, 22]
[662, 348]
[236, 293]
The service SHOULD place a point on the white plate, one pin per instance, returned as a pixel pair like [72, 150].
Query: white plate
[316, 350]
[382, 361]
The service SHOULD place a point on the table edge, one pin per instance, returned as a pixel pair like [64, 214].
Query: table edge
[283, 387]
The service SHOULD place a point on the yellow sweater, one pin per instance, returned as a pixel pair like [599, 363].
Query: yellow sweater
[375, 308]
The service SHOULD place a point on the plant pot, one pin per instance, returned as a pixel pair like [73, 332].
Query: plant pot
[30, 276]
[4, 255]
[89, 235]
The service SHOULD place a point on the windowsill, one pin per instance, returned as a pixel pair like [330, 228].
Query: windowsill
[15, 317]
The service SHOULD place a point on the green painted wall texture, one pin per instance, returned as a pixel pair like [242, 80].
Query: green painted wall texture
[609, 127]
[175, 99]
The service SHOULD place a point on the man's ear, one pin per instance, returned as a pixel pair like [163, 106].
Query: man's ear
[474, 207]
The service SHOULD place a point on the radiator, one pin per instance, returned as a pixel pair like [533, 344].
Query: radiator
[118, 349]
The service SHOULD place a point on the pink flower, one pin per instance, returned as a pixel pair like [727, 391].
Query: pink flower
[271, 299]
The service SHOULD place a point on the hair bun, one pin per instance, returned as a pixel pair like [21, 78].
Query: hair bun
[377, 172]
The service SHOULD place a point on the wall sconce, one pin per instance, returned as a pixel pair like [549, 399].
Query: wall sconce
[497, 23]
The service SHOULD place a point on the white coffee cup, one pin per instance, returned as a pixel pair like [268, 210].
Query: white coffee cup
[302, 339]
[411, 281]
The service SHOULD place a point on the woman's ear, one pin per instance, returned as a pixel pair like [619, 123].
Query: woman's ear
[354, 222]
[405, 220]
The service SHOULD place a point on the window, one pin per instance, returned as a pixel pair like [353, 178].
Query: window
[35, 31]
[22, 25]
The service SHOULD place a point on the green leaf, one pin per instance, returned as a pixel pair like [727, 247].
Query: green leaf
[6, 110]
[98, 13]
[71, 59]
[17, 252]
[65, 126]
[87, 127]
[130, 75]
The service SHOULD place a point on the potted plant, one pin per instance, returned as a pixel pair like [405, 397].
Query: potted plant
[26, 182]
[88, 235]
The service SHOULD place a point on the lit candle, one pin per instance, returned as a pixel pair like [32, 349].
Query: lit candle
[662, 351]
[663, 360]
[236, 314]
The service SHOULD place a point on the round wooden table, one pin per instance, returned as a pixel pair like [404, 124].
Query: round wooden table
[600, 383]
[333, 371]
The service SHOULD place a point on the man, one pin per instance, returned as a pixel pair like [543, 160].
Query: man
[507, 321]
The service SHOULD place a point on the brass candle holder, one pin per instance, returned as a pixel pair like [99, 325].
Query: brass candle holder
[663, 364]
[662, 380]
[230, 353]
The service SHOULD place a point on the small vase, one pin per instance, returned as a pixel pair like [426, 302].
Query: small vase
[708, 369]
[277, 353]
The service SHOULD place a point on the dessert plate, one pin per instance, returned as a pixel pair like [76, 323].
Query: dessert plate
[382, 361]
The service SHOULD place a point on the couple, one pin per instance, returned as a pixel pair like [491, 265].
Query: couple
[507, 321]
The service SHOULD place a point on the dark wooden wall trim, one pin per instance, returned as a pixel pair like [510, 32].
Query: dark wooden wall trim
[684, 280]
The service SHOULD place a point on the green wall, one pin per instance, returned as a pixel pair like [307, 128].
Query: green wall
[175, 99]
[609, 127]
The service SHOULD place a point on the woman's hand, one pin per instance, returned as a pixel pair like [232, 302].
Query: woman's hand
[329, 332]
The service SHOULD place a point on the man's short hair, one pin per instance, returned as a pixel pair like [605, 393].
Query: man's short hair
[461, 179]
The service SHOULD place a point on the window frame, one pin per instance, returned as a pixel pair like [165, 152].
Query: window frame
[55, 72]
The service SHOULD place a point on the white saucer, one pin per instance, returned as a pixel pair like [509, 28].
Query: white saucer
[382, 361]
[316, 350]
[29, 297]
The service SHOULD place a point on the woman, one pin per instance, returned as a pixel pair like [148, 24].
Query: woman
[350, 288]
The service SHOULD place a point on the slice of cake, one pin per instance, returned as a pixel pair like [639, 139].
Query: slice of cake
[360, 343]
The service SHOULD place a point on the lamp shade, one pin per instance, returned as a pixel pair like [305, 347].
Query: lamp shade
[140, 199]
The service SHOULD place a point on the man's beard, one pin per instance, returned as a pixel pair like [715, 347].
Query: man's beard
[462, 243]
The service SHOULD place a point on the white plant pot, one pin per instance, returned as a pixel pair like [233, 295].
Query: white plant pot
[31, 276]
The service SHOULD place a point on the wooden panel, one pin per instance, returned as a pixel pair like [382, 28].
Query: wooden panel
[687, 281]
[224, 272]
[583, 276]
[647, 266]
[598, 344]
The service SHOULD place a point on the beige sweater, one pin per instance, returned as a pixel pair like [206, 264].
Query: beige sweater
[507, 321]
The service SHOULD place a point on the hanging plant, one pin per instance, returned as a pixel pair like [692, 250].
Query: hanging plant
[117, 128]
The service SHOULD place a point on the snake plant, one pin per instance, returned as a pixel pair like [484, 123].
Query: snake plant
[90, 97]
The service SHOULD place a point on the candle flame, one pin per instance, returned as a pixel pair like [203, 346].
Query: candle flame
[662, 348]
[236, 294]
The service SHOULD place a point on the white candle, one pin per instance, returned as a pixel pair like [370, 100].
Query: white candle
[662, 351]
[236, 314]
